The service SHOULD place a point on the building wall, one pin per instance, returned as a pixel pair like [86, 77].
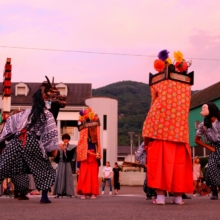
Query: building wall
[107, 108]
[194, 116]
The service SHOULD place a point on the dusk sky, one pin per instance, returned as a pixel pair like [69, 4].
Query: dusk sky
[107, 41]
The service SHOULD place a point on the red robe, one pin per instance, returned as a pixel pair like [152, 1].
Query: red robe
[169, 162]
[88, 183]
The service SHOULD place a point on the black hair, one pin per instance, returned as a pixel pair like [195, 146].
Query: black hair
[37, 112]
[213, 112]
[66, 136]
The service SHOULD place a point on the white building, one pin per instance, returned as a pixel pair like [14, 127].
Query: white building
[107, 109]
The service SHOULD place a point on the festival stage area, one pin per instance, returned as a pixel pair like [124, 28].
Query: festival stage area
[130, 204]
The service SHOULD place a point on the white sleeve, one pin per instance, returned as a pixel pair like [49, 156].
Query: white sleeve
[49, 137]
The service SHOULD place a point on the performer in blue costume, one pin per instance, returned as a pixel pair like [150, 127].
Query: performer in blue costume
[31, 135]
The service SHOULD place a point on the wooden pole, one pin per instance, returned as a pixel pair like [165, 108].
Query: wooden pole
[6, 93]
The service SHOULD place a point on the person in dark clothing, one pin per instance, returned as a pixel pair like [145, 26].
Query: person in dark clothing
[116, 177]
[64, 178]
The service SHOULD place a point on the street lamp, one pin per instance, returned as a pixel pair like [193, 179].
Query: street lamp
[131, 141]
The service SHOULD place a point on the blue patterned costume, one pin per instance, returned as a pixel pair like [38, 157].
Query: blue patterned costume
[25, 152]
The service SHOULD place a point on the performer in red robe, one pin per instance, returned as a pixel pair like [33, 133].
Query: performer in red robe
[88, 155]
[165, 129]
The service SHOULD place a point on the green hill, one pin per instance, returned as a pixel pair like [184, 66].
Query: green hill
[133, 104]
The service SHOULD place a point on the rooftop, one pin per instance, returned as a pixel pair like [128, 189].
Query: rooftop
[208, 94]
[77, 93]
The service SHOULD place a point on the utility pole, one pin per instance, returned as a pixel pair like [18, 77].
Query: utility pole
[131, 141]
[139, 139]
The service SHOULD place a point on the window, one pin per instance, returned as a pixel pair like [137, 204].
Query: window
[62, 91]
[69, 130]
[197, 124]
[21, 89]
[62, 88]
[104, 157]
[121, 158]
[68, 127]
[104, 122]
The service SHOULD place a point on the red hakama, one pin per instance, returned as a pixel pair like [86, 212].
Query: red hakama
[88, 183]
[169, 166]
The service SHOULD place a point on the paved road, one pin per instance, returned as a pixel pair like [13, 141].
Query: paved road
[130, 205]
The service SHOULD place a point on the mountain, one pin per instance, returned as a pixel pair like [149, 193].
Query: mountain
[133, 104]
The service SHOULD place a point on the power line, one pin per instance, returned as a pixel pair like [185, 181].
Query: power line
[77, 51]
[95, 52]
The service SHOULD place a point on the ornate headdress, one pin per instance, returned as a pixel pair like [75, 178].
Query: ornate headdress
[52, 93]
[177, 70]
[88, 118]
[88, 125]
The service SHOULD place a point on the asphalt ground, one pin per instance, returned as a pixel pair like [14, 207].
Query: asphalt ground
[130, 204]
